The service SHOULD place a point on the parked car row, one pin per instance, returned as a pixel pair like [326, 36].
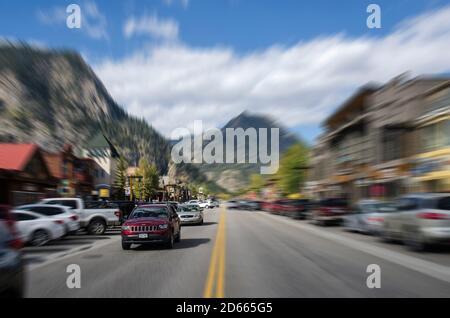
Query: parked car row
[249, 205]
[287, 207]
[417, 220]
[297, 209]
[54, 218]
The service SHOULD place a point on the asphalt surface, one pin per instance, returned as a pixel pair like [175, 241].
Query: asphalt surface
[242, 254]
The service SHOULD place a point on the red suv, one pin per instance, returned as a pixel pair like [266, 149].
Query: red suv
[151, 223]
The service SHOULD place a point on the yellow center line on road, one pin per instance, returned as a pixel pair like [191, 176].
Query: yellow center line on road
[217, 263]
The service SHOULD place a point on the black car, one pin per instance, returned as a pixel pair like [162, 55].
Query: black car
[331, 210]
[249, 205]
[126, 207]
[295, 208]
[11, 264]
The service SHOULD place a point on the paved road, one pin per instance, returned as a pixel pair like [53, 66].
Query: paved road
[40, 256]
[246, 254]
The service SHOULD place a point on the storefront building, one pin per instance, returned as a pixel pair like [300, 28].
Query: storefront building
[431, 169]
[105, 157]
[349, 146]
[385, 141]
[75, 175]
[24, 175]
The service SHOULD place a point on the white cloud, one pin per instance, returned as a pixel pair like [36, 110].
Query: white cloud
[183, 3]
[56, 15]
[171, 85]
[93, 22]
[165, 29]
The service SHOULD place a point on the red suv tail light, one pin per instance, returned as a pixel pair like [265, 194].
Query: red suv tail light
[432, 216]
[58, 222]
[74, 217]
[118, 214]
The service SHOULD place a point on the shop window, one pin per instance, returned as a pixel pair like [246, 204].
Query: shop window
[392, 146]
[429, 137]
[446, 132]
[436, 136]
[406, 204]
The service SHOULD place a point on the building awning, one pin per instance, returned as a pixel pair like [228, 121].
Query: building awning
[295, 196]
[341, 178]
[435, 175]
[436, 153]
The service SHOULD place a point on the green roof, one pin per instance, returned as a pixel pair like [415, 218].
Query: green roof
[101, 141]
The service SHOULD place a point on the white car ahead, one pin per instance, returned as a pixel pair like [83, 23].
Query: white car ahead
[199, 203]
[203, 204]
[59, 212]
[36, 229]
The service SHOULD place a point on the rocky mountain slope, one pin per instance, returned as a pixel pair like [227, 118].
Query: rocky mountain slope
[53, 97]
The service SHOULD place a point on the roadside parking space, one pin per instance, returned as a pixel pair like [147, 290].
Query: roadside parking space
[35, 255]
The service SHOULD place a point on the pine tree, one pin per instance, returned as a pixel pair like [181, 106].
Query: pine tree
[121, 178]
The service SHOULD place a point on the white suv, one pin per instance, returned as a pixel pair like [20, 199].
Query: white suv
[419, 220]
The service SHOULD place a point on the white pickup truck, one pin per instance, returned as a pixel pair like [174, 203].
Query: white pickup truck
[95, 216]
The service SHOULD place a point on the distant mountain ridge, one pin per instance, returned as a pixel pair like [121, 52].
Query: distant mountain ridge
[234, 176]
[248, 119]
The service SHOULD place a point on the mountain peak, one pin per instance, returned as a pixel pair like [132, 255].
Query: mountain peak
[247, 119]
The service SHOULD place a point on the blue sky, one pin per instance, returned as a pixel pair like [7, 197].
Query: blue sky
[221, 35]
[246, 25]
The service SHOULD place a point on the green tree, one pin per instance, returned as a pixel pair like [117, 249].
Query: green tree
[205, 190]
[256, 182]
[292, 172]
[193, 188]
[148, 186]
[120, 181]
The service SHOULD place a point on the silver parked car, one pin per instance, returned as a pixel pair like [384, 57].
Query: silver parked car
[420, 220]
[232, 204]
[190, 214]
[368, 216]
